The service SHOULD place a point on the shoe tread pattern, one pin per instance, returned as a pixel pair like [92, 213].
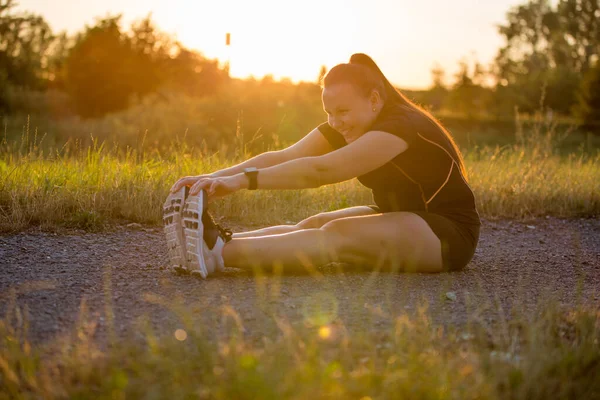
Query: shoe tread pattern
[173, 230]
[193, 230]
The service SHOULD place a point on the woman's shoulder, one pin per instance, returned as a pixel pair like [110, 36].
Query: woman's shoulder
[399, 120]
[405, 116]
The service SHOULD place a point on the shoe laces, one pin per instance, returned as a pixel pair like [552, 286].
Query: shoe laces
[225, 233]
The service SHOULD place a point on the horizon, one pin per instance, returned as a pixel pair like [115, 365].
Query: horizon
[265, 40]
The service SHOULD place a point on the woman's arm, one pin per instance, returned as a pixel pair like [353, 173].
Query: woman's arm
[263, 160]
[367, 153]
[260, 161]
[313, 144]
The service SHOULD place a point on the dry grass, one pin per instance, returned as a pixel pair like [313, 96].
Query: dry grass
[555, 354]
[94, 186]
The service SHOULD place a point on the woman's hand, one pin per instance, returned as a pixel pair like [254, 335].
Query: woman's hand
[217, 187]
[187, 181]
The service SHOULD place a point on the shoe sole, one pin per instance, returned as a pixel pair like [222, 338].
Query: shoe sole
[194, 234]
[173, 228]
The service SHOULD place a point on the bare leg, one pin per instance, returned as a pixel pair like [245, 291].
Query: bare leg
[315, 221]
[402, 240]
[301, 250]
[271, 230]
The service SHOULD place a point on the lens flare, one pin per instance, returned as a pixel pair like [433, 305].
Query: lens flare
[180, 335]
[324, 332]
[320, 309]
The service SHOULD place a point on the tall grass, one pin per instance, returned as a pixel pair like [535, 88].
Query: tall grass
[553, 353]
[90, 187]
[521, 183]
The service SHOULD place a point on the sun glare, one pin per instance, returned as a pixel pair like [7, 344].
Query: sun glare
[295, 38]
[268, 37]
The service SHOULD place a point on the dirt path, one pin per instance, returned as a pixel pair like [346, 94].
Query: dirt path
[516, 265]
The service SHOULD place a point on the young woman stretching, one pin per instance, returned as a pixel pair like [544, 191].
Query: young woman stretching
[424, 219]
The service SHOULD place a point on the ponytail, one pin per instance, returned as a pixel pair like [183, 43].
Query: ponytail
[394, 96]
[391, 93]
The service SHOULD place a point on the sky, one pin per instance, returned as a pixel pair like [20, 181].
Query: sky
[293, 39]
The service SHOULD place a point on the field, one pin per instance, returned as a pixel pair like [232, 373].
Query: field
[62, 207]
[91, 186]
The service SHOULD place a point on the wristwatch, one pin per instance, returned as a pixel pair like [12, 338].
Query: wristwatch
[251, 173]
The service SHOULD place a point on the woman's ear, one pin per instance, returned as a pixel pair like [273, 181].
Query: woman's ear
[375, 99]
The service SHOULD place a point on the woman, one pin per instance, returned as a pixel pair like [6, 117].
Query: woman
[424, 219]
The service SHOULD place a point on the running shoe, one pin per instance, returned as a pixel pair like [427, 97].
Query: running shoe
[198, 257]
[215, 237]
[173, 228]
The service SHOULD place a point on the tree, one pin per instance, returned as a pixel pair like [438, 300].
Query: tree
[24, 42]
[191, 73]
[547, 51]
[468, 96]
[522, 63]
[436, 95]
[98, 76]
[150, 53]
[56, 59]
[108, 69]
[577, 42]
[588, 101]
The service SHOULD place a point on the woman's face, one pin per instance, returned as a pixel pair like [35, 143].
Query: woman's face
[350, 113]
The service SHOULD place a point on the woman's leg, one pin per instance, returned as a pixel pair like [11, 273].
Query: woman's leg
[401, 240]
[315, 221]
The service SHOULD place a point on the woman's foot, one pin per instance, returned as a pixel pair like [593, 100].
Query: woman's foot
[173, 228]
[194, 240]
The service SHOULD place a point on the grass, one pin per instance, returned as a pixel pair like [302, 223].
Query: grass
[553, 353]
[92, 187]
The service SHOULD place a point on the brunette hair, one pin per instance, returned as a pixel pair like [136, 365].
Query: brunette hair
[365, 75]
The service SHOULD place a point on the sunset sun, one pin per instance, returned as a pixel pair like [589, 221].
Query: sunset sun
[268, 37]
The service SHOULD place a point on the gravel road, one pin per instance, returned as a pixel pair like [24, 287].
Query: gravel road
[516, 265]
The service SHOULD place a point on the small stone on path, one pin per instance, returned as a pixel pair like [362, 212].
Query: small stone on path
[451, 296]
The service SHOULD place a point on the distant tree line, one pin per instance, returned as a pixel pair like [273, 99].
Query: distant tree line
[550, 60]
[102, 68]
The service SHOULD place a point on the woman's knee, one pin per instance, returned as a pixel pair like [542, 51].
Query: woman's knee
[405, 242]
[317, 221]
[340, 235]
[335, 226]
[313, 222]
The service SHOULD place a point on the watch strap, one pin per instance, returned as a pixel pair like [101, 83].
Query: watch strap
[252, 178]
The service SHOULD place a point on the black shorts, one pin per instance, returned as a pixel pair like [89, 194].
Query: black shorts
[459, 240]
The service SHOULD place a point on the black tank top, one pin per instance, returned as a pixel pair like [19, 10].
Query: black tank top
[425, 177]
